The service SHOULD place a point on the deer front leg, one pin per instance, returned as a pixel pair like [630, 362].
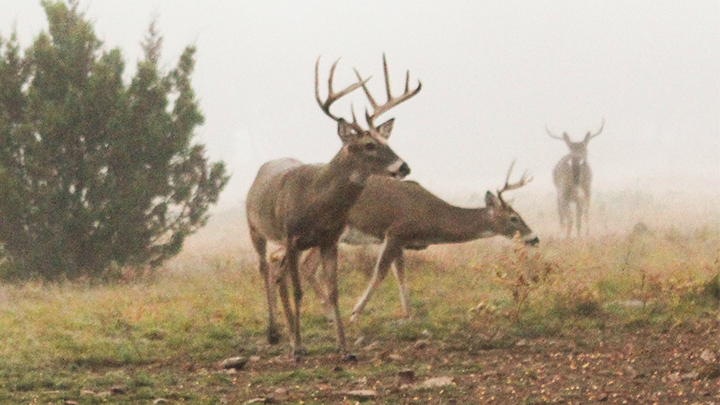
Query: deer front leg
[329, 262]
[390, 251]
[579, 212]
[399, 271]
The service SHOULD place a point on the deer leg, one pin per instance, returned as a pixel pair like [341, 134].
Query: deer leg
[399, 271]
[291, 269]
[565, 217]
[329, 254]
[260, 244]
[388, 254]
[580, 208]
[586, 211]
[311, 270]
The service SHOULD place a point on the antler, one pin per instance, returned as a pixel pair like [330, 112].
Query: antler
[332, 96]
[523, 181]
[552, 135]
[590, 136]
[392, 101]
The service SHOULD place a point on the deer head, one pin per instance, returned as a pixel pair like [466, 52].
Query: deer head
[367, 149]
[505, 221]
[578, 150]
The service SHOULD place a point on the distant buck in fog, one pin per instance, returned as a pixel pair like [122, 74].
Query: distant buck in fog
[572, 177]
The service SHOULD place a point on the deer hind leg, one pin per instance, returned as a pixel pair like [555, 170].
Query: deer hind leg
[312, 272]
[399, 272]
[293, 317]
[260, 244]
[329, 255]
[389, 252]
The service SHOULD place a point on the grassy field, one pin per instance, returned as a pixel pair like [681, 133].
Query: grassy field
[629, 315]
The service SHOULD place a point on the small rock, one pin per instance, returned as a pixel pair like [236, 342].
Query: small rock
[407, 376]
[521, 342]
[707, 356]
[360, 341]
[254, 359]
[361, 381]
[395, 357]
[673, 378]
[362, 394]
[630, 372]
[69, 402]
[255, 401]
[372, 346]
[420, 344]
[693, 375]
[234, 362]
[602, 397]
[479, 307]
[160, 401]
[436, 382]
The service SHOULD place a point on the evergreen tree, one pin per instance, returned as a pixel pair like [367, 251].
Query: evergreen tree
[95, 171]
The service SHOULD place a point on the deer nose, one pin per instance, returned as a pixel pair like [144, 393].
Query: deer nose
[404, 170]
[532, 242]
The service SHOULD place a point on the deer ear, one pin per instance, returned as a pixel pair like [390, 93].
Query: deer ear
[345, 131]
[491, 201]
[386, 128]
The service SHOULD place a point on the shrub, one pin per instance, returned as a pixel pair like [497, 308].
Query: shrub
[94, 171]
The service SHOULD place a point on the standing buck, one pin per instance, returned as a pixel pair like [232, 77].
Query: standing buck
[404, 215]
[302, 206]
[572, 177]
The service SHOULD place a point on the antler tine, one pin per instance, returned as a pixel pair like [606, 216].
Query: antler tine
[392, 101]
[599, 130]
[387, 79]
[524, 179]
[507, 178]
[332, 96]
[367, 92]
[551, 134]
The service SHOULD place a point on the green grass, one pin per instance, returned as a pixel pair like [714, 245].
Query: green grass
[161, 336]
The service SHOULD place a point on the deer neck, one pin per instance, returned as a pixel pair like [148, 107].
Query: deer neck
[339, 183]
[456, 224]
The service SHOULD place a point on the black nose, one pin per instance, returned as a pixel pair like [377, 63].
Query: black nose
[532, 242]
[404, 170]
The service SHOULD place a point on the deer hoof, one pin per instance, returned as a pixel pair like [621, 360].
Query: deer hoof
[349, 357]
[273, 336]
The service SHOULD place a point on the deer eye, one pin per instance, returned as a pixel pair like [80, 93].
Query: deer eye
[514, 220]
[369, 147]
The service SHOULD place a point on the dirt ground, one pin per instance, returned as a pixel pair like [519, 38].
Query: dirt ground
[679, 366]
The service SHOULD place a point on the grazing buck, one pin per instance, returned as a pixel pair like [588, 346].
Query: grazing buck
[404, 215]
[572, 177]
[302, 206]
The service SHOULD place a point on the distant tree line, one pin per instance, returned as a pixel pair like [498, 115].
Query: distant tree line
[96, 172]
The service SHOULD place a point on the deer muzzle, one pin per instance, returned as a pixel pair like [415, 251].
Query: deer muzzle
[531, 240]
[398, 169]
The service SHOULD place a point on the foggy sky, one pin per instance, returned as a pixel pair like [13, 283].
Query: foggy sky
[494, 74]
